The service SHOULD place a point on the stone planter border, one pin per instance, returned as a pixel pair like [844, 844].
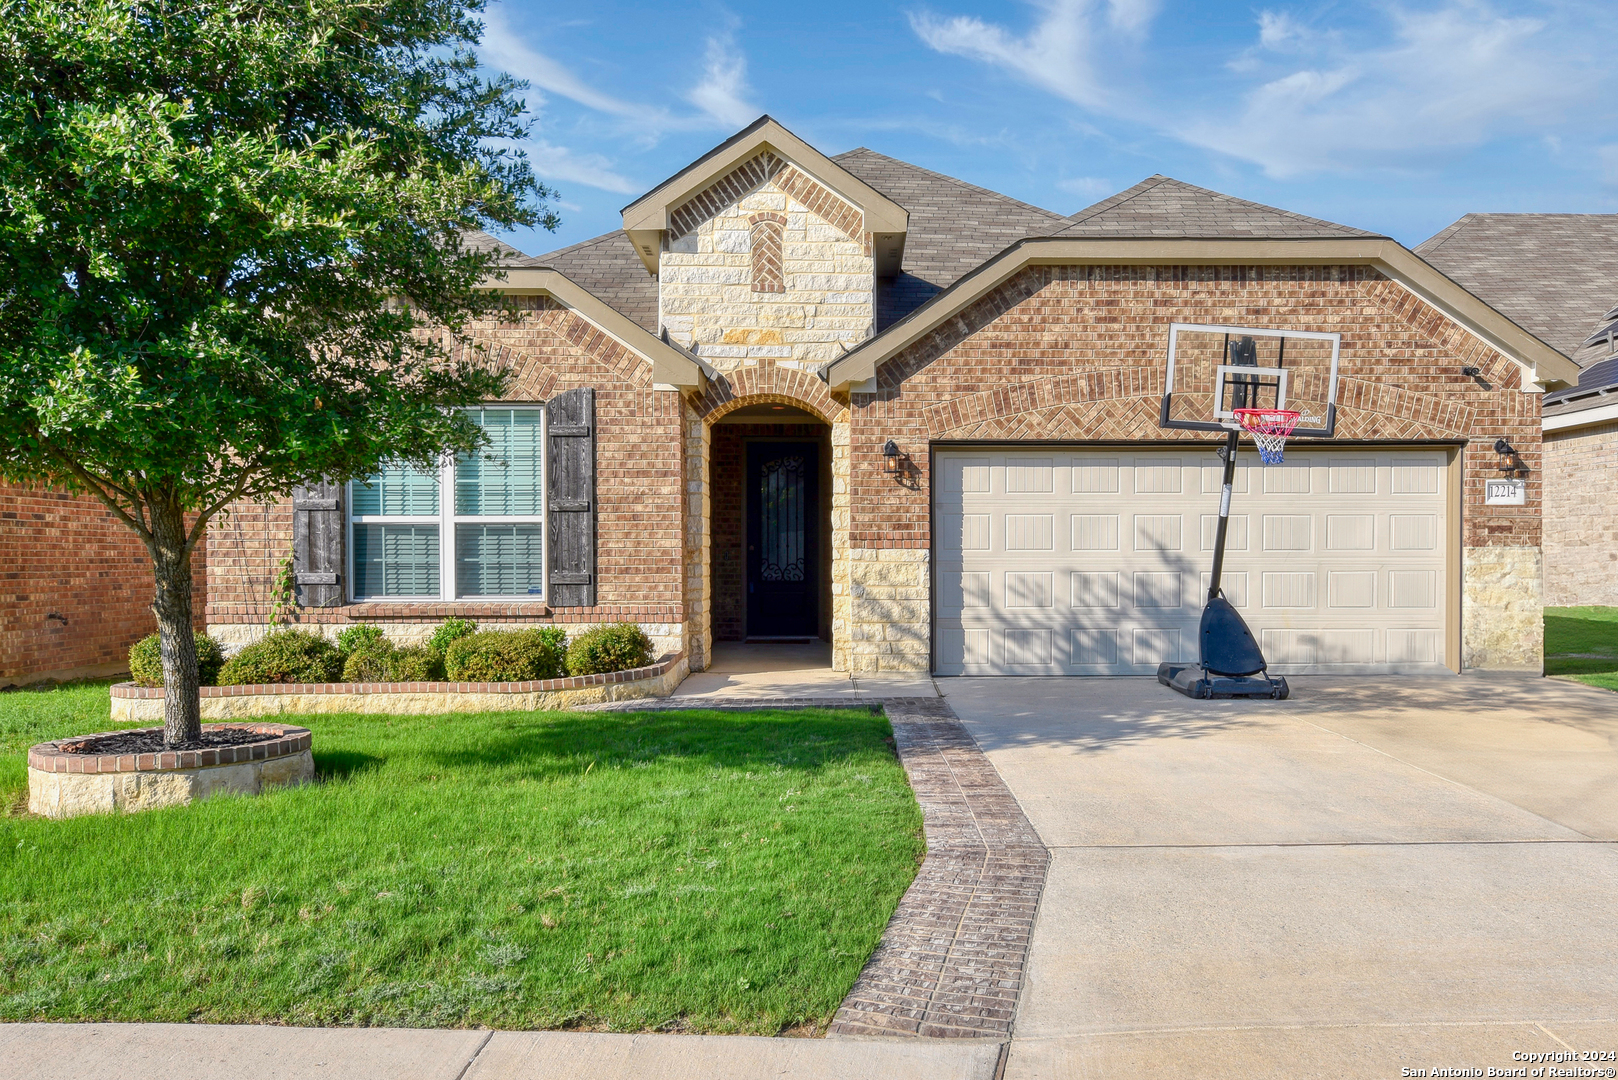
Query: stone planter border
[133, 703]
[50, 757]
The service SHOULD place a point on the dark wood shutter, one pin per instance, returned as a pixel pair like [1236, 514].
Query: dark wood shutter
[317, 544]
[570, 493]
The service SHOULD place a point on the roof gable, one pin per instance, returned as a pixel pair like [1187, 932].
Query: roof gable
[608, 267]
[1163, 206]
[736, 160]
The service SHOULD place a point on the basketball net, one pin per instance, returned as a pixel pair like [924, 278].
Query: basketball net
[1269, 429]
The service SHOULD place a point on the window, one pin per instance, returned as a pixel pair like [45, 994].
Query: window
[492, 516]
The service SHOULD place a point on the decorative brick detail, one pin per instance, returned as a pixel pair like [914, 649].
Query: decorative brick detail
[952, 959]
[50, 757]
[769, 381]
[765, 247]
[831, 209]
[746, 177]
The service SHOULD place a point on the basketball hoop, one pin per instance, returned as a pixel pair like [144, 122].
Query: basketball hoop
[1269, 429]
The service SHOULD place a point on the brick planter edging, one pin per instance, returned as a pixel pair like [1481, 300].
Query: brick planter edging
[532, 686]
[137, 703]
[50, 757]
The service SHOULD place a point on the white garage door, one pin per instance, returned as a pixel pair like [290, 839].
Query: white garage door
[1096, 562]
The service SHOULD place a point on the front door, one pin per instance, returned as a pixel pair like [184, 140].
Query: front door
[783, 538]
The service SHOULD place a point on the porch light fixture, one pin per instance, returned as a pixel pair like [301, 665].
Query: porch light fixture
[1511, 463]
[890, 458]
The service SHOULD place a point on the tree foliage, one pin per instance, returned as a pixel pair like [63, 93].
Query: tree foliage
[232, 254]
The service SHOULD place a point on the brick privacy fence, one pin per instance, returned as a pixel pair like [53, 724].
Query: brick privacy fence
[77, 588]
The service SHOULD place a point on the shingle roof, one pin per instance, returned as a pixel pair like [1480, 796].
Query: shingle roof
[1598, 385]
[482, 241]
[608, 267]
[1163, 206]
[1552, 274]
[955, 227]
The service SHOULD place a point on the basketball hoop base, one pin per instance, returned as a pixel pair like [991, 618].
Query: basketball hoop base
[1196, 681]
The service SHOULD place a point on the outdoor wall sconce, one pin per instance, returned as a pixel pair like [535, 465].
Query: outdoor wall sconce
[891, 462]
[1511, 463]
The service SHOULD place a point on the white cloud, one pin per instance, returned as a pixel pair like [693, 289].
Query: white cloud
[592, 170]
[1451, 79]
[723, 91]
[1131, 16]
[1277, 29]
[502, 48]
[1056, 55]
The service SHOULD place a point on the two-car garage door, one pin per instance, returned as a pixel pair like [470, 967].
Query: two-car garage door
[1096, 562]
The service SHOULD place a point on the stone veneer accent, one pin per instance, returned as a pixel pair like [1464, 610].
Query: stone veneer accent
[64, 785]
[135, 703]
[1502, 617]
[1581, 531]
[706, 279]
[888, 612]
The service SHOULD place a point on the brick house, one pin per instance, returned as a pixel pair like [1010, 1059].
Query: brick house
[846, 398]
[1557, 276]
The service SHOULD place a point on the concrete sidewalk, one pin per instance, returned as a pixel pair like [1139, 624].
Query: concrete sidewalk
[205, 1052]
[775, 669]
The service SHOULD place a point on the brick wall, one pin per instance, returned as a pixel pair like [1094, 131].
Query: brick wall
[639, 464]
[1581, 530]
[1077, 353]
[76, 589]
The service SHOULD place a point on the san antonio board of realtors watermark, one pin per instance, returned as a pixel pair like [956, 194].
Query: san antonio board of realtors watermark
[1534, 1063]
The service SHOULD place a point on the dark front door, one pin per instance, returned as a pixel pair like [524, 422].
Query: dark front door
[783, 540]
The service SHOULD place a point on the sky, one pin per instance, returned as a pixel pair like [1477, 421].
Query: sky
[1392, 116]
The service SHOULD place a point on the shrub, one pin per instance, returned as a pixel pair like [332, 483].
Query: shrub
[146, 660]
[371, 662]
[617, 647]
[358, 639]
[450, 632]
[286, 656]
[507, 655]
[415, 664]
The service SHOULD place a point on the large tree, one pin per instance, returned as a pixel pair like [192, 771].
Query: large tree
[231, 255]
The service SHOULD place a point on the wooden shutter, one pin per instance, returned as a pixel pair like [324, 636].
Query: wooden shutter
[317, 544]
[570, 498]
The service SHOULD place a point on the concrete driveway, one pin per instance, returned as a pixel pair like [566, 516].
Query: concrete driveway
[1378, 874]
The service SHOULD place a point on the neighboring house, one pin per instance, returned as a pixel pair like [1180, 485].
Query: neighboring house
[1556, 275]
[76, 589]
[801, 396]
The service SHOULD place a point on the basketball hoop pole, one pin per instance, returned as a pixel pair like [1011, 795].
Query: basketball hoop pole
[1224, 513]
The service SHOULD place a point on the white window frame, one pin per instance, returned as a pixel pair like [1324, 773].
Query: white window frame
[447, 519]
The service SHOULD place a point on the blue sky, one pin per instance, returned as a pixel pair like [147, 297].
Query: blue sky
[1392, 116]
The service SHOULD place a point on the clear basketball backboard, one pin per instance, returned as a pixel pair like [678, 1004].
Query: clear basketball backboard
[1215, 370]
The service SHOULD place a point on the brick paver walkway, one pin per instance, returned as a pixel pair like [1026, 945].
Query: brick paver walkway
[951, 960]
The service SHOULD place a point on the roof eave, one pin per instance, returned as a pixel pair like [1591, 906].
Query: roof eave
[647, 218]
[1544, 366]
[672, 367]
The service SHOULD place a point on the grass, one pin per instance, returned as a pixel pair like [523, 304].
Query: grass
[1583, 642]
[701, 871]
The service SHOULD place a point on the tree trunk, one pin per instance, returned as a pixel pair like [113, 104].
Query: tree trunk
[171, 565]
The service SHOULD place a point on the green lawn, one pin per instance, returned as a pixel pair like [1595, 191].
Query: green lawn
[702, 871]
[1583, 642]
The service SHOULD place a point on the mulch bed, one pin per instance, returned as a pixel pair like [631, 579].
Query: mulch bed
[151, 741]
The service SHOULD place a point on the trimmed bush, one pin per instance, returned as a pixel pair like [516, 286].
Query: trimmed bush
[616, 647]
[358, 639]
[146, 660]
[286, 656]
[450, 632]
[507, 655]
[415, 664]
[371, 663]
